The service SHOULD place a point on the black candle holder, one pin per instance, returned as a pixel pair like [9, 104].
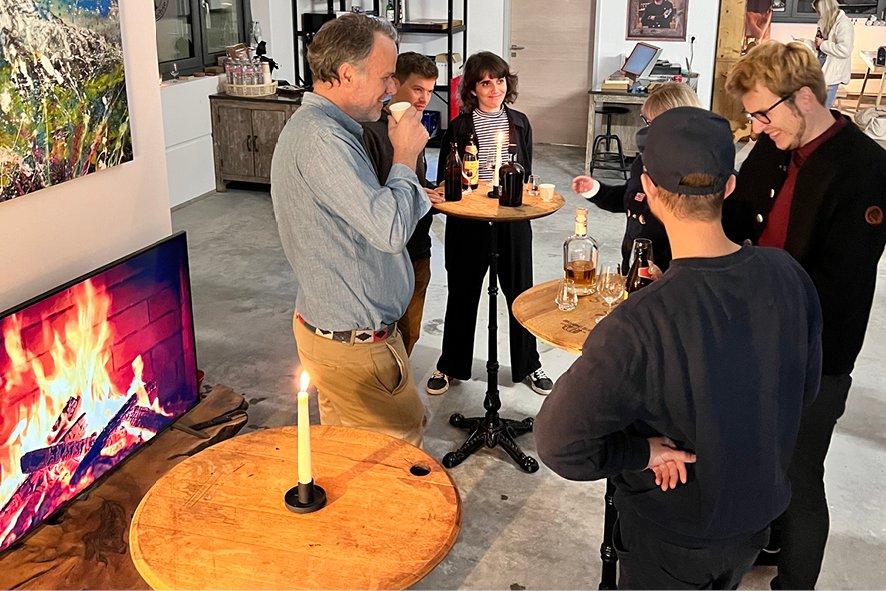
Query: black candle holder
[494, 192]
[305, 498]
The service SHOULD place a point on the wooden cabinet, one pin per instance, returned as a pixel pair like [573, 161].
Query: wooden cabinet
[244, 135]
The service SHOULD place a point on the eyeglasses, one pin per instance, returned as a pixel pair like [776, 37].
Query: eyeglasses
[763, 116]
[646, 120]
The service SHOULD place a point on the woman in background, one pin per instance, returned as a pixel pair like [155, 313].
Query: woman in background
[488, 85]
[629, 198]
[834, 41]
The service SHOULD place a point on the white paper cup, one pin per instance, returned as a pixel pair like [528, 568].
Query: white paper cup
[397, 110]
[546, 190]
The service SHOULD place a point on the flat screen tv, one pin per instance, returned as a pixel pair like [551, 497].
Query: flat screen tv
[89, 373]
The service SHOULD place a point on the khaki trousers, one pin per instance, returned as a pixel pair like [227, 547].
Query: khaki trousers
[410, 325]
[367, 385]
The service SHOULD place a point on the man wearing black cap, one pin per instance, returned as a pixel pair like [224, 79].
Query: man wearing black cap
[689, 394]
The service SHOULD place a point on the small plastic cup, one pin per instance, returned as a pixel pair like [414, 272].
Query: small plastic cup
[397, 110]
[546, 190]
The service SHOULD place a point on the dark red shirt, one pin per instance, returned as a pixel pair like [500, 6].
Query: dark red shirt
[776, 231]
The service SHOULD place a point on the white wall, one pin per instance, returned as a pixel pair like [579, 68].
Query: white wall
[611, 47]
[188, 129]
[56, 234]
[486, 27]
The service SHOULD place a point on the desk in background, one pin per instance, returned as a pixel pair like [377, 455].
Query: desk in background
[869, 59]
[625, 126]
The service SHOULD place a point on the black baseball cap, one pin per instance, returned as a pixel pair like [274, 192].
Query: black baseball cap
[689, 140]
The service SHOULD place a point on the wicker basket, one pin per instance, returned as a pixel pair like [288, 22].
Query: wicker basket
[251, 89]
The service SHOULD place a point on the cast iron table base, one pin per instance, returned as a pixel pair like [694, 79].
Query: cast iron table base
[491, 429]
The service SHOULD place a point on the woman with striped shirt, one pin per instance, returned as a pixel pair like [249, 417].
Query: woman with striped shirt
[487, 86]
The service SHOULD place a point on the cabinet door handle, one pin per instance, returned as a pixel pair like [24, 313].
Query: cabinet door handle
[248, 145]
[255, 144]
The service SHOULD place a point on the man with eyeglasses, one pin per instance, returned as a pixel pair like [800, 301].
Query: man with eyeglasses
[814, 185]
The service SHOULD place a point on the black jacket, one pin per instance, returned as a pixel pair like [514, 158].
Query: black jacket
[381, 152]
[630, 200]
[462, 127]
[836, 229]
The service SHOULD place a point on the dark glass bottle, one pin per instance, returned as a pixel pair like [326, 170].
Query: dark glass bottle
[452, 189]
[471, 165]
[640, 274]
[510, 177]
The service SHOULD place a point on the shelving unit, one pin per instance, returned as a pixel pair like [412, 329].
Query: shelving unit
[440, 90]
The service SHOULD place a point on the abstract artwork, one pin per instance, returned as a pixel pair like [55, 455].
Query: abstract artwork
[63, 107]
[662, 20]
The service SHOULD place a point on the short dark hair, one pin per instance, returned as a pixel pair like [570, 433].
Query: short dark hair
[477, 68]
[410, 62]
[705, 208]
[346, 39]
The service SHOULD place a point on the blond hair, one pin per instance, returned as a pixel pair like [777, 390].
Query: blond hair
[669, 96]
[783, 69]
[827, 15]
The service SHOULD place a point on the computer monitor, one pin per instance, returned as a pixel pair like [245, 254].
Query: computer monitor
[641, 61]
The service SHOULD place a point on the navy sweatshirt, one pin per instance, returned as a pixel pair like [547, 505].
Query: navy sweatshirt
[720, 355]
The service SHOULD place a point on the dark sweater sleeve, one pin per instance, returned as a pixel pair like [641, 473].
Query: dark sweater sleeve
[580, 431]
[813, 364]
[373, 144]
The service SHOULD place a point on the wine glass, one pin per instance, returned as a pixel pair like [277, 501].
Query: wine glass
[567, 297]
[610, 286]
[173, 73]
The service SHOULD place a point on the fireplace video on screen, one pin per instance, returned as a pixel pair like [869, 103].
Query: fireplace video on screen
[88, 374]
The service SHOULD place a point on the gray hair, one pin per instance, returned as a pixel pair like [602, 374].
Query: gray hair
[347, 39]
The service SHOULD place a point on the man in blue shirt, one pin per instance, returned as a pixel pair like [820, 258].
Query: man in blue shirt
[345, 234]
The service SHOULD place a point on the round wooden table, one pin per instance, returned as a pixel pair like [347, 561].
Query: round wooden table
[537, 312]
[491, 430]
[217, 520]
[477, 206]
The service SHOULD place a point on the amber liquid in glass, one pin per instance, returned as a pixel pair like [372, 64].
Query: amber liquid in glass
[584, 273]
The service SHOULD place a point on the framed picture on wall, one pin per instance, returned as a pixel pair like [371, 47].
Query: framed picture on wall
[662, 20]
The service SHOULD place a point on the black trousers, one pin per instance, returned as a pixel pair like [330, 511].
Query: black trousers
[648, 562]
[467, 262]
[802, 530]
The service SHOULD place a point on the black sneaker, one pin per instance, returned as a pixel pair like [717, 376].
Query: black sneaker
[438, 383]
[540, 382]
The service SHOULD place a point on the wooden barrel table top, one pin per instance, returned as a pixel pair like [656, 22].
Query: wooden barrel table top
[537, 312]
[218, 520]
[477, 206]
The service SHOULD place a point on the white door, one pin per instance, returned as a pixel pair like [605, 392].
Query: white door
[551, 45]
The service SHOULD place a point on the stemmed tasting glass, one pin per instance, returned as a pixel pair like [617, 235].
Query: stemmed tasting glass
[610, 287]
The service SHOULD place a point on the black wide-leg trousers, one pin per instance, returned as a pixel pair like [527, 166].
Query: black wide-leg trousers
[467, 251]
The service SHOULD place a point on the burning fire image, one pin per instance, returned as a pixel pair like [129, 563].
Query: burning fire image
[72, 402]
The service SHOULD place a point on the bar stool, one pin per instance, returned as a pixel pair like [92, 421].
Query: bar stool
[604, 158]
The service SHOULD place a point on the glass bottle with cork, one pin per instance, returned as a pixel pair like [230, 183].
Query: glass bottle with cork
[640, 274]
[454, 174]
[580, 255]
[510, 178]
[471, 166]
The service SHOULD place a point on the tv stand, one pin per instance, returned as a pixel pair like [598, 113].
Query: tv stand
[86, 546]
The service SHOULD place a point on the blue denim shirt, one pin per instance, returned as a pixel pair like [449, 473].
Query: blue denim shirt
[344, 234]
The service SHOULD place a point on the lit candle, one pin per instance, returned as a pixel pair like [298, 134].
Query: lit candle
[304, 432]
[499, 140]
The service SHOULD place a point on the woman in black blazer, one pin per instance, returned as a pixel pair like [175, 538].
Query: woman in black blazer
[487, 86]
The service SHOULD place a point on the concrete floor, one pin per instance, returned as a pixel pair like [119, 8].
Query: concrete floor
[519, 530]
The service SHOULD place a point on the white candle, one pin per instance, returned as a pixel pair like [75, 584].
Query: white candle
[499, 139]
[304, 432]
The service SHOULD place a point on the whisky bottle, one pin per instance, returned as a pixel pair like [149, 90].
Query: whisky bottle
[471, 165]
[580, 254]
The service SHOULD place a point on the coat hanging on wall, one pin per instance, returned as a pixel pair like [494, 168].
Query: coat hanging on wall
[62, 93]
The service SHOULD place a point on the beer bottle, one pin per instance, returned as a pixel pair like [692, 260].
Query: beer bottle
[640, 274]
[453, 174]
[471, 165]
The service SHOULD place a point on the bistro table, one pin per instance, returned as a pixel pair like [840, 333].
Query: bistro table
[491, 429]
[218, 521]
[536, 311]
